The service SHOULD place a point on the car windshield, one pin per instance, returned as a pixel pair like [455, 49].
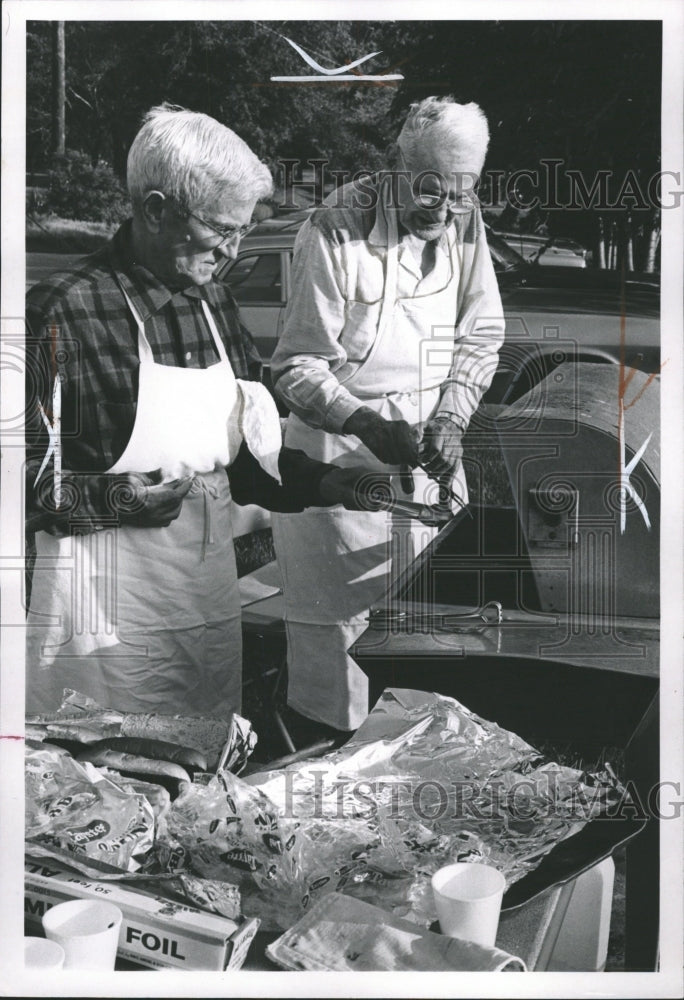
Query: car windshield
[503, 256]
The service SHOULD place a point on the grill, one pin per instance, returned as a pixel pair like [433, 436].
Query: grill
[542, 615]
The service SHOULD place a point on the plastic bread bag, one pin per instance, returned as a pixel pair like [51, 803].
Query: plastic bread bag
[77, 809]
[228, 831]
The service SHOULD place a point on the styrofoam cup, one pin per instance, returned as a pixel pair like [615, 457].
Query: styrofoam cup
[87, 929]
[468, 901]
[42, 955]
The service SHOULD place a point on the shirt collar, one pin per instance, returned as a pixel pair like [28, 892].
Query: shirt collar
[147, 292]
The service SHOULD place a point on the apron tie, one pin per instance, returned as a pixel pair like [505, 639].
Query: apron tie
[200, 485]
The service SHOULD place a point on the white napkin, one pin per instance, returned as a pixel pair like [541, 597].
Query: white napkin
[259, 424]
[343, 934]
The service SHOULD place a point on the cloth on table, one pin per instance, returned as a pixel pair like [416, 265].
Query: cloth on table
[341, 934]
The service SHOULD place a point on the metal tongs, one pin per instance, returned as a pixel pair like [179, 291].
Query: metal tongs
[431, 515]
[489, 614]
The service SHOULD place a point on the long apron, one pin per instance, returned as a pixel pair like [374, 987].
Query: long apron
[335, 563]
[148, 619]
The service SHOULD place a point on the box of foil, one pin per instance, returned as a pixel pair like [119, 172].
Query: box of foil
[155, 932]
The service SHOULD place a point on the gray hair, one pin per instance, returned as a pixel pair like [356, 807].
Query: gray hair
[192, 158]
[445, 126]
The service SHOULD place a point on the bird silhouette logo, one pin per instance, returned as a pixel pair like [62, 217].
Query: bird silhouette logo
[336, 75]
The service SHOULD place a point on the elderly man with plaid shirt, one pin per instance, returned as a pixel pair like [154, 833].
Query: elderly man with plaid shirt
[141, 395]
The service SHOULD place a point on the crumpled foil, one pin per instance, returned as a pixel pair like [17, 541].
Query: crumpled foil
[227, 744]
[422, 783]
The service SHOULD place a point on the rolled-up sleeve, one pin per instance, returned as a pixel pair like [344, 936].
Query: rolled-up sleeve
[479, 331]
[310, 353]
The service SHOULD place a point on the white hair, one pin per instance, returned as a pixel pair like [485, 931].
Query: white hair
[193, 159]
[451, 129]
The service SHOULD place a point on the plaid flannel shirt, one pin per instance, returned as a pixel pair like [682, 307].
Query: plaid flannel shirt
[80, 326]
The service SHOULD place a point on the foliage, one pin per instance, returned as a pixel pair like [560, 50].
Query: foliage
[81, 189]
[220, 68]
[584, 92]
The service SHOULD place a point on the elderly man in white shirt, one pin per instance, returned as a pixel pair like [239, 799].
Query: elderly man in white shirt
[391, 338]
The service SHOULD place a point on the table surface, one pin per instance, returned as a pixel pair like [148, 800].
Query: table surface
[527, 932]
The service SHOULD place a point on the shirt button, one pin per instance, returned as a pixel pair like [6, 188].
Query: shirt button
[188, 356]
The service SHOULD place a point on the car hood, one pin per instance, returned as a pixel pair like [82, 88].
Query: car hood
[579, 291]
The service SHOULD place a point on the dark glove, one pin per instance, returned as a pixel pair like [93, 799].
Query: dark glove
[136, 499]
[356, 488]
[441, 448]
[89, 502]
[394, 442]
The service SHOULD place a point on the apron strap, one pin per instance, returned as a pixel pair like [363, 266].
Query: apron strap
[389, 293]
[200, 485]
[54, 439]
[144, 349]
[218, 343]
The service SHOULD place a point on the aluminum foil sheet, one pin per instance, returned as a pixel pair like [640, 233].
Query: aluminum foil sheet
[423, 782]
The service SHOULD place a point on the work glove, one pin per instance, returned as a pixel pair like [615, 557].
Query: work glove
[142, 500]
[394, 442]
[441, 448]
[356, 488]
[89, 502]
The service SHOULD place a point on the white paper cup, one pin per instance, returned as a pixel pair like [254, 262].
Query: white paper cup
[468, 901]
[87, 929]
[42, 955]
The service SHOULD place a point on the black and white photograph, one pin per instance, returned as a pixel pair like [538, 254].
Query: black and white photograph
[341, 499]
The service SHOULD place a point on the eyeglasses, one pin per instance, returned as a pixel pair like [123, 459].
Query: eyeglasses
[227, 233]
[462, 204]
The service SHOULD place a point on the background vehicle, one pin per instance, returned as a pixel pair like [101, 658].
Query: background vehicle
[547, 251]
[553, 314]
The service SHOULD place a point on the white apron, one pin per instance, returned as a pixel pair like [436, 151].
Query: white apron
[148, 619]
[335, 563]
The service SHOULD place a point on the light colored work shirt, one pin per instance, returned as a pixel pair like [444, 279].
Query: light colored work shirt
[334, 308]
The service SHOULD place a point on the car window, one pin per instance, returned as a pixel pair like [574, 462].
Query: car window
[256, 278]
[504, 257]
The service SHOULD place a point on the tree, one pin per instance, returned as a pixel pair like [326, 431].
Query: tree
[583, 92]
[58, 89]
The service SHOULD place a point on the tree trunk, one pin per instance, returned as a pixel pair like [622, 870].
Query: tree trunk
[601, 245]
[653, 242]
[58, 89]
[612, 247]
[629, 244]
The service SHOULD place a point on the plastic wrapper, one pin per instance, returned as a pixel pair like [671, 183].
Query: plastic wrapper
[229, 831]
[226, 743]
[209, 894]
[157, 796]
[422, 783]
[76, 809]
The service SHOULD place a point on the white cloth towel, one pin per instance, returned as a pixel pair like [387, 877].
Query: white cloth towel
[343, 934]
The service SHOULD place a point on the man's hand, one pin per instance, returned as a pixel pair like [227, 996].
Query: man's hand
[394, 442]
[138, 500]
[89, 502]
[356, 488]
[441, 448]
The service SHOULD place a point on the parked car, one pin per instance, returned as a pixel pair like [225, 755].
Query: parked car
[552, 314]
[547, 251]
[41, 265]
